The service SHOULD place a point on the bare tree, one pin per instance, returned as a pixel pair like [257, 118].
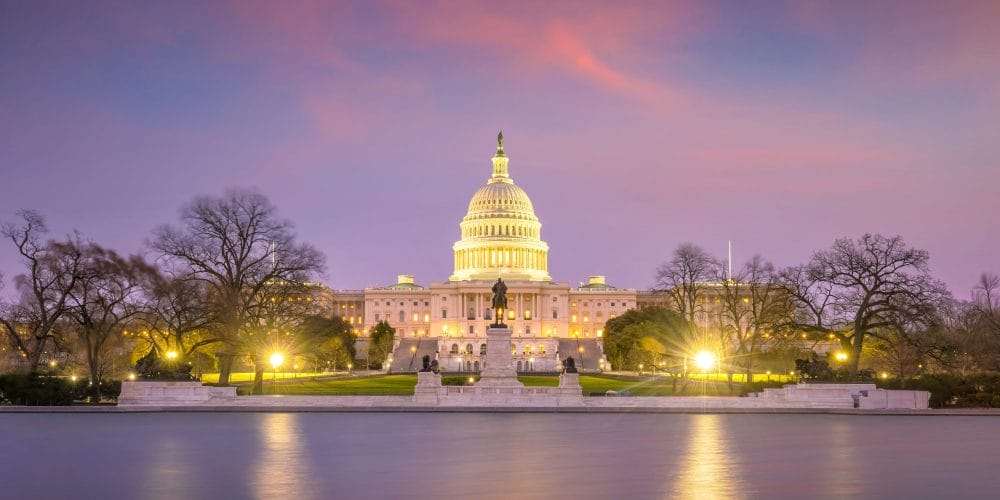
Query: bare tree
[236, 246]
[865, 287]
[690, 271]
[52, 271]
[177, 316]
[275, 325]
[755, 306]
[105, 299]
[974, 329]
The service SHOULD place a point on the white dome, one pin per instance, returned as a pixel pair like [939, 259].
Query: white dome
[501, 236]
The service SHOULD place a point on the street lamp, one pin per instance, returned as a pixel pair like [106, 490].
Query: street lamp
[841, 356]
[171, 355]
[276, 360]
[705, 360]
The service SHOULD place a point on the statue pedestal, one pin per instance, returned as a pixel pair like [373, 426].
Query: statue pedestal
[427, 388]
[499, 369]
[570, 391]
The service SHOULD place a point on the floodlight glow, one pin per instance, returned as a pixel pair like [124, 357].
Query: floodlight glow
[276, 360]
[171, 354]
[704, 360]
[841, 356]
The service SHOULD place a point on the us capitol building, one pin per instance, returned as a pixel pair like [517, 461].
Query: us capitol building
[501, 237]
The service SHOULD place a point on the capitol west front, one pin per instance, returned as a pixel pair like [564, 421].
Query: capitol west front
[500, 237]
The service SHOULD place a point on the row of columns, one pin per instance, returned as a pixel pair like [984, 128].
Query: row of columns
[517, 258]
[481, 302]
[501, 230]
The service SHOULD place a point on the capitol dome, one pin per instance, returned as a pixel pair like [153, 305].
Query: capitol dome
[501, 236]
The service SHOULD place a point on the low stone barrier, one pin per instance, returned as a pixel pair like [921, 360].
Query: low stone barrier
[841, 396]
[430, 392]
[173, 393]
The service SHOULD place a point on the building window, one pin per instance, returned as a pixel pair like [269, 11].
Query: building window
[487, 314]
[416, 317]
[444, 314]
[511, 314]
[527, 314]
[527, 330]
[468, 348]
[472, 329]
[376, 317]
[555, 313]
[402, 317]
[427, 317]
[527, 349]
[454, 348]
[427, 303]
[541, 349]
[482, 349]
[471, 314]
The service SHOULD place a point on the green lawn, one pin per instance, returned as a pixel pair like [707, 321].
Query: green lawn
[402, 385]
[382, 385]
[240, 377]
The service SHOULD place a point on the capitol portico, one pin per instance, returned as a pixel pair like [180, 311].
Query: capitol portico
[500, 237]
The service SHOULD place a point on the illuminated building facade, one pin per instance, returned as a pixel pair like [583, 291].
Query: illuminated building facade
[500, 237]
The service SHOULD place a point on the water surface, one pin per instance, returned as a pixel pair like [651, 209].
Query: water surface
[481, 455]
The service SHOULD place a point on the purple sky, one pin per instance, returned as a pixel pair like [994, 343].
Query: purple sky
[634, 127]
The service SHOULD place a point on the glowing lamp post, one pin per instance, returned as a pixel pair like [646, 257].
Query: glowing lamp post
[171, 355]
[276, 360]
[704, 360]
[841, 356]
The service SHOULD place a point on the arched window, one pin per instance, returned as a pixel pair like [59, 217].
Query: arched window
[527, 349]
[482, 348]
[471, 313]
[468, 348]
[468, 366]
[475, 366]
[541, 349]
[487, 314]
[519, 366]
[454, 348]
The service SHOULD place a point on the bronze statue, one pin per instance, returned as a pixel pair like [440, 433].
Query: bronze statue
[569, 365]
[499, 299]
[427, 363]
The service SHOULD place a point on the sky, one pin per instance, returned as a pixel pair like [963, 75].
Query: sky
[633, 126]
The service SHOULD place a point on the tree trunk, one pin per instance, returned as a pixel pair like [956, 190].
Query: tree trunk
[258, 378]
[225, 367]
[95, 380]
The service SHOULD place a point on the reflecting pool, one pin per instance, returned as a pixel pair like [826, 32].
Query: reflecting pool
[483, 455]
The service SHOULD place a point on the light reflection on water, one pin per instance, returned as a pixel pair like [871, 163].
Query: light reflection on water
[707, 467]
[331, 455]
[283, 468]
